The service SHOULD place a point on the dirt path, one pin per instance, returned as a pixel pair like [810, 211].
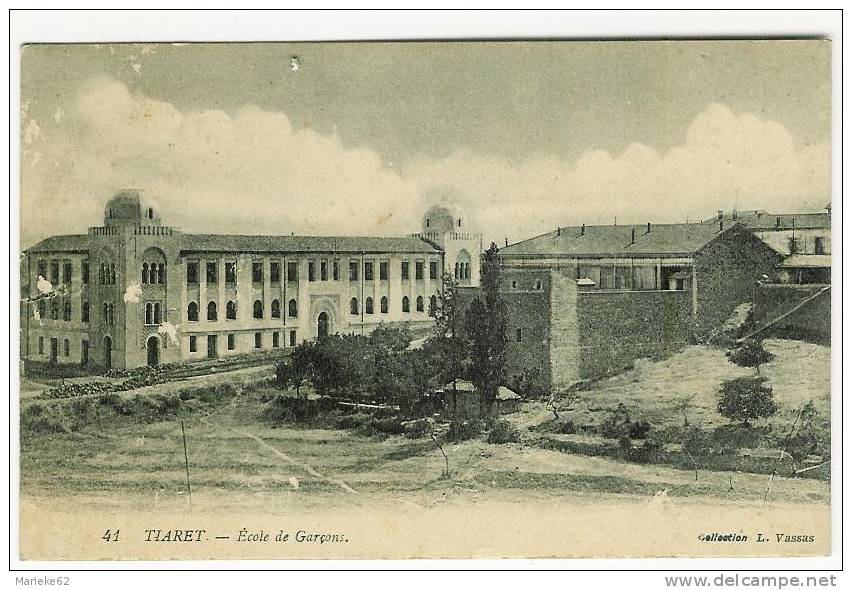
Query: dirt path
[288, 459]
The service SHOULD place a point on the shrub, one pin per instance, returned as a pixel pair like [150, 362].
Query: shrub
[750, 353]
[112, 400]
[745, 399]
[36, 419]
[464, 429]
[616, 424]
[503, 432]
[418, 428]
[352, 421]
[388, 425]
[639, 429]
[567, 427]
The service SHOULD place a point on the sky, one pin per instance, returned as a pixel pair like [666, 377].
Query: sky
[362, 138]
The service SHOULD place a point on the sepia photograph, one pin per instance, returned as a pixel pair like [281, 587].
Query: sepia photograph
[425, 300]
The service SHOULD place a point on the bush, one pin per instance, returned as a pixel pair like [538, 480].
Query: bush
[388, 425]
[418, 428]
[464, 429]
[567, 427]
[36, 419]
[745, 399]
[112, 400]
[617, 424]
[503, 432]
[750, 353]
[352, 421]
[639, 429]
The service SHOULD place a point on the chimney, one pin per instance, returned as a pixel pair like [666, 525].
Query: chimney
[632, 235]
[583, 229]
[720, 224]
[507, 242]
[777, 222]
[647, 231]
[558, 231]
[720, 214]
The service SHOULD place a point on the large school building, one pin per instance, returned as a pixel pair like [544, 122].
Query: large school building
[135, 291]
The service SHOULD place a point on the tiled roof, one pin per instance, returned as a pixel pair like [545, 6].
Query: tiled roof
[615, 240]
[355, 244]
[68, 243]
[807, 261]
[761, 220]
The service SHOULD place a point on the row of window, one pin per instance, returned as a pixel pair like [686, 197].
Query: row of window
[67, 271]
[154, 273]
[355, 309]
[231, 310]
[795, 245]
[462, 271]
[231, 340]
[66, 349]
[317, 270]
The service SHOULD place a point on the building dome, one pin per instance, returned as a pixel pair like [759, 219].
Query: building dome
[444, 218]
[129, 207]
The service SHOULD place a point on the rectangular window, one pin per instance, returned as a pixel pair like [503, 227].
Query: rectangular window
[292, 271]
[231, 272]
[84, 311]
[819, 246]
[84, 352]
[433, 269]
[292, 337]
[67, 271]
[274, 272]
[275, 336]
[335, 270]
[192, 273]
[418, 271]
[41, 345]
[193, 344]
[54, 273]
[353, 271]
[324, 270]
[66, 347]
[793, 244]
[256, 272]
[312, 270]
[66, 310]
[368, 271]
[404, 270]
[383, 271]
[84, 273]
[258, 339]
[212, 272]
[231, 342]
[42, 269]
[518, 334]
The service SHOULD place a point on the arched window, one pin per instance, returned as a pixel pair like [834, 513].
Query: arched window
[231, 311]
[144, 273]
[211, 311]
[149, 314]
[353, 306]
[292, 309]
[433, 305]
[419, 304]
[192, 311]
[102, 274]
[157, 316]
[368, 305]
[257, 310]
[538, 284]
[111, 274]
[150, 213]
[456, 272]
[276, 308]
[110, 314]
[383, 304]
[152, 279]
[406, 306]
[161, 274]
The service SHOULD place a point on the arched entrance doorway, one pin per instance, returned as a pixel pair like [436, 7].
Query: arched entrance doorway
[322, 325]
[153, 346]
[107, 352]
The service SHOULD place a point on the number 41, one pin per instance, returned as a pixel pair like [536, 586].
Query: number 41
[110, 535]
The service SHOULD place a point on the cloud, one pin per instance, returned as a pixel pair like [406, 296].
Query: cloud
[251, 171]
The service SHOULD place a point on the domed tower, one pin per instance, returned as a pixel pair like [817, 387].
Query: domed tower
[446, 226]
[128, 207]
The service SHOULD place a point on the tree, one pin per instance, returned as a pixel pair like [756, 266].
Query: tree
[745, 399]
[446, 345]
[486, 329]
[750, 353]
[682, 405]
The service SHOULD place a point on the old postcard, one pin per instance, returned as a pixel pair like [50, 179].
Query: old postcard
[538, 299]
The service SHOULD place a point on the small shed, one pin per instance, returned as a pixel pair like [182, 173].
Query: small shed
[507, 400]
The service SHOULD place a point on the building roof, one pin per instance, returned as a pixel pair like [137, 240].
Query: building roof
[807, 261]
[354, 244]
[615, 240]
[761, 220]
[66, 243]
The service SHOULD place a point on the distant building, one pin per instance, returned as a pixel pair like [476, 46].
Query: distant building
[803, 239]
[586, 301]
[134, 291]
